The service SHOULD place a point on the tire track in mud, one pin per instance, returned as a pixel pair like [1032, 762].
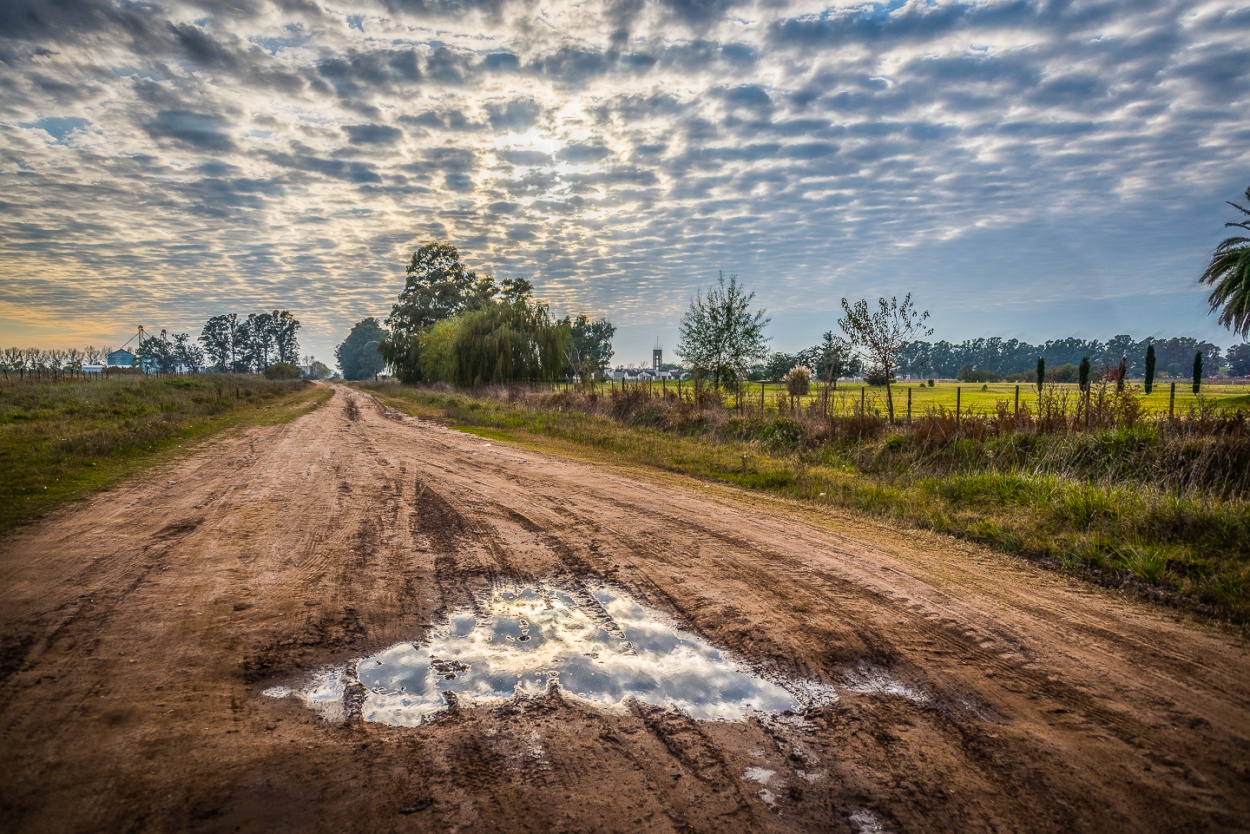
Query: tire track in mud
[461, 576]
[87, 613]
[966, 729]
[680, 736]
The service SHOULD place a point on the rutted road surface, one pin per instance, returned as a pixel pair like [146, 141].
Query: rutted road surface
[140, 628]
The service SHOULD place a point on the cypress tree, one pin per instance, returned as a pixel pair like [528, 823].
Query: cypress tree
[1197, 372]
[1084, 373]
[1150, 368]
[1119, 382]
[1041, 373]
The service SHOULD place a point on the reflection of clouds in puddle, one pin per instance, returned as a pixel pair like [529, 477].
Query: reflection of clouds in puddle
[599, 646]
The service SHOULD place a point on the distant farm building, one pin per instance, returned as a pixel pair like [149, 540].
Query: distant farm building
[122, 359]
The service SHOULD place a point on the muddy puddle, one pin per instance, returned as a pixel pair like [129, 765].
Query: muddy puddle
[596, 644]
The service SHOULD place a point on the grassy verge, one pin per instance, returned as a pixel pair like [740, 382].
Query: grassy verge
[1162, 515]
[60, 441]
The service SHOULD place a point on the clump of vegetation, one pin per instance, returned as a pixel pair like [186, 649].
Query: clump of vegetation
[61, 439]
[798, 382]
[282, 370]
[235, 344]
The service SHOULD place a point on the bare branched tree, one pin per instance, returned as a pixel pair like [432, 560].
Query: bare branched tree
[880, 336]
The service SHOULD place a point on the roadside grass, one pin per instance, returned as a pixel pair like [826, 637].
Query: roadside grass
[485, 433]
[1162, 514]
[62, 440]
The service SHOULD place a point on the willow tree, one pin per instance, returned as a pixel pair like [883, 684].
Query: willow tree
[1229, 276]
[510, 340]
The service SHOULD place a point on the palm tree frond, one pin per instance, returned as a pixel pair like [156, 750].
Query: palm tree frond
[1228, 275]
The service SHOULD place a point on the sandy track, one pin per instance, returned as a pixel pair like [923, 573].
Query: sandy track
[140, 627]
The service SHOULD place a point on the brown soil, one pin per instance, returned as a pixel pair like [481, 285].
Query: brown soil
[140, 627]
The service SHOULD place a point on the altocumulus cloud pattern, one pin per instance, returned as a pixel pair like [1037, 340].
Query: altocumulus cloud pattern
[175, 160]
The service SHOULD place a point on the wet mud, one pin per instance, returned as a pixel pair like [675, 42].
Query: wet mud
[160, 648]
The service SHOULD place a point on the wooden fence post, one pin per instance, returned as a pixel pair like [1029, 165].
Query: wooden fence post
[1017, 414]
[909, 405]
[958, 394]
[1172, 402]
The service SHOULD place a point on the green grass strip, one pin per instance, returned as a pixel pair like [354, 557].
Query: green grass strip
[61, 441]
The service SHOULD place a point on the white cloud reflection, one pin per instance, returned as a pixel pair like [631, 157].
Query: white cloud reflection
[599, 646]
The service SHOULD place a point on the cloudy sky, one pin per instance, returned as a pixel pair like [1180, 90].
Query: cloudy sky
[1028, 168]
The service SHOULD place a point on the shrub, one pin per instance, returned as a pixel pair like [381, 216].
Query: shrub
[877, 378]
[799, 381]
[282, 370]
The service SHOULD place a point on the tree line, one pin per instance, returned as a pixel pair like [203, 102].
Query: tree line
[228, 343]
[251, 344]
[994, 358]
[40, 362]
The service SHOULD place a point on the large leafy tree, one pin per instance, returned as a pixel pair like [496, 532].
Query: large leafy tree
[217, 337]
[187, 352]
[259, 345]
[720, 334]
[1228, 274]
[157, 354]
[590, 349]
[436, 287]
[1239, 359]
[285, 335]
[358, 355]
[833, 359]
[882, 335]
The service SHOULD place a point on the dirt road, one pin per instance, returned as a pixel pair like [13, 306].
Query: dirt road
[141, 627]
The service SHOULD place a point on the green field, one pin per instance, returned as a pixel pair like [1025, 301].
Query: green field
[61, 440]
